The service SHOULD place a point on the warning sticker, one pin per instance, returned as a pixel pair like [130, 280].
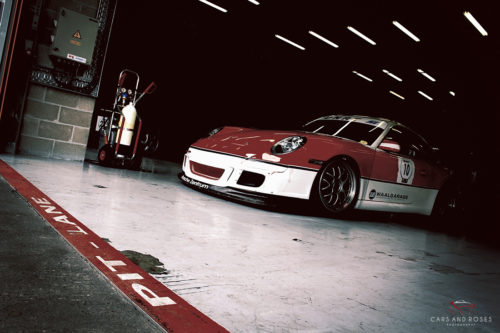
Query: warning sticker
[77, 35]
[406, 170]
[76, 58]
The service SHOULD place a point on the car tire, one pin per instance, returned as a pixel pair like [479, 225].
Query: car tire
[447, 204]
[337, 186]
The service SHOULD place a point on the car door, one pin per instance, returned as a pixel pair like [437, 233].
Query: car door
[402, 173]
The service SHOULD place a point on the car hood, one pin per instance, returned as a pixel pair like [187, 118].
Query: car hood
[257, 144]
[240, 141]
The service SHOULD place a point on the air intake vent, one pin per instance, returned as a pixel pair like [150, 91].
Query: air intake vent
[206, 170]
[251, 179]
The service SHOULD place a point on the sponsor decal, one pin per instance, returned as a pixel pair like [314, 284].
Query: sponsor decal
[194, 182]
[462, 314]
[386, 195]
[76, 58]
[406, 171]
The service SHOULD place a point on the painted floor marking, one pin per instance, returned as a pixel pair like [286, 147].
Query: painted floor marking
[171, 311]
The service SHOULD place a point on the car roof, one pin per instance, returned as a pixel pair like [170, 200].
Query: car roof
[350, 116]
[365, 119]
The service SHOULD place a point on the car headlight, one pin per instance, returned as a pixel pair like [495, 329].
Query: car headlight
[214, 131]
[288, 145]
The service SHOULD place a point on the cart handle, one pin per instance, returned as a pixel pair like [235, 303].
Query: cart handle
[151, 88]
[122, 78]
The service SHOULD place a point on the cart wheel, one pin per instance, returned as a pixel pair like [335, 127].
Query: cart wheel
[105, 155]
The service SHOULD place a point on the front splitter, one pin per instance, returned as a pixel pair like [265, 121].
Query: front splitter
[232, 193]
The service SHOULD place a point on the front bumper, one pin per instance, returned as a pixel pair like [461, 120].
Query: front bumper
[225, 173]
[231, 193]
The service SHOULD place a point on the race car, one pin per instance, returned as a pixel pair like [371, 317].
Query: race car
[342, 162]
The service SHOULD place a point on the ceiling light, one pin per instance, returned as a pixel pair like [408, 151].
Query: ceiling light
[214, 6]
[323, 39]
[254, 2]
[392, 75]
[363, 76]
[406, 31]
[361, 35]
[426, 75]
[452, 93]
[475, 23]
[397, 95]
[425, 95]
[290, 42]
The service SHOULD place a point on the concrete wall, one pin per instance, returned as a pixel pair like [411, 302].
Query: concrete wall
[56, 123]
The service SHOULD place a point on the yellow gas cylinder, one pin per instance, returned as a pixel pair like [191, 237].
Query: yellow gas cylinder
[129, 114]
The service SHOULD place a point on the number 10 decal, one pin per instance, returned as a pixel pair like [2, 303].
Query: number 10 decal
[406, 170]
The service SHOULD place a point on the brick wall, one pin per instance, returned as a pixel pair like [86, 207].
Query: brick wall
[56, 124]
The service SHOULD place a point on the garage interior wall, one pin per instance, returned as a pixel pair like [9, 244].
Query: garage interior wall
[56, 123]
[52, 122]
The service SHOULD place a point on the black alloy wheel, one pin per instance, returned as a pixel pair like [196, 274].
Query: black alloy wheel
[338, 186]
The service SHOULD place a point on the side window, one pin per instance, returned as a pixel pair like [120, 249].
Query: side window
[410, 143]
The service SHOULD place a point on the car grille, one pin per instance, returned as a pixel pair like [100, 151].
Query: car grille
[206, 170]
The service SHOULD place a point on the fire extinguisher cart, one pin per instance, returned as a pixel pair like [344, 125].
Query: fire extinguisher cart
[121, 130]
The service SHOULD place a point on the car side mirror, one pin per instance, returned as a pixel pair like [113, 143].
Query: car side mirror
[390, 146]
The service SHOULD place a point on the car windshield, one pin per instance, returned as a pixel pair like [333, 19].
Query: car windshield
[365, 131]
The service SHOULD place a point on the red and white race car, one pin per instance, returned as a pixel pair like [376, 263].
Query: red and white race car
[343, 162]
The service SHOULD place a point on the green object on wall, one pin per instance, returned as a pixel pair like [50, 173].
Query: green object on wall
[74, 39]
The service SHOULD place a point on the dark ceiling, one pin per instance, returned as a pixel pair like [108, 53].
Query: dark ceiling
[215, 68]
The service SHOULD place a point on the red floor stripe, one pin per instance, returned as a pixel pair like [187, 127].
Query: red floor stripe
[163, 305]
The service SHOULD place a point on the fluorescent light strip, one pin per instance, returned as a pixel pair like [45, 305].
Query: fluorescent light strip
[392, 75]
[452, 93]
[426, 75]
[425, 95]
[361, 35]
[363, 76]
[254, 2]
[397, 95]
[290, 42]
[406, 31]
[214, 6]
[475, 23]
[329, 42]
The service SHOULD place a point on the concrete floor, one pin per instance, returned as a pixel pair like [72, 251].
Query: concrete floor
[256, 270]
[46, 286]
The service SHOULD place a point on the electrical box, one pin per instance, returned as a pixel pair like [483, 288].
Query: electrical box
[74, 39]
